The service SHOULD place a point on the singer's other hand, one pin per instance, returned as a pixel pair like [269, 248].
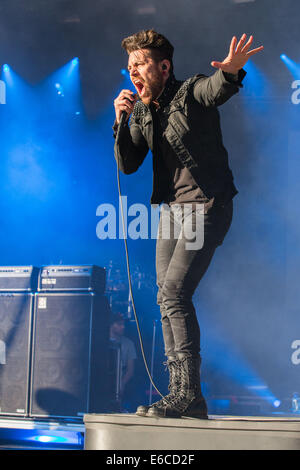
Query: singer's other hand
[125, 102]
[238, 55]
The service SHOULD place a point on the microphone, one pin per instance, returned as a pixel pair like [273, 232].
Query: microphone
[121, 124]
[124, 114]
[123, 119]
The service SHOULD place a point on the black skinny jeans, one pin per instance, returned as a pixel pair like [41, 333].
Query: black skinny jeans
[180, 267]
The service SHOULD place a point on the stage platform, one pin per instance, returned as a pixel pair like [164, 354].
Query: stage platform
[131, 432]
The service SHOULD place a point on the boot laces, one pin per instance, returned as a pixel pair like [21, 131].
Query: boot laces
[187, 392]
[174, 383]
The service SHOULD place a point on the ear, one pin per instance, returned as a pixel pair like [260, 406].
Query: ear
[165, 66]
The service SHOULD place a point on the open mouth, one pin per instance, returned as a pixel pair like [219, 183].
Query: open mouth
[139, 86]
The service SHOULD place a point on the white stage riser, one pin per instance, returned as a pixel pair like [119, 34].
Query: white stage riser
[129, 432]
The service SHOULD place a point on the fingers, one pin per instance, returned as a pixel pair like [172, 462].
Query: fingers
[124, 105]
[246, 47]
[125, 102]
[238, 54]
[232, 46]
[125, 94]
[216, 64]
[243, 48]
[254, 51]
[128, 93]
[241, 43]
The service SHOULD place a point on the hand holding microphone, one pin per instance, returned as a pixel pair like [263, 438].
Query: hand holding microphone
[124, 105]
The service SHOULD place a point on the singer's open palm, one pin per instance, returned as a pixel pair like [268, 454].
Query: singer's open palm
[238, 55]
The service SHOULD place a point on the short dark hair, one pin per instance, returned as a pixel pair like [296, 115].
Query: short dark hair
[116, 317]
[159, 45]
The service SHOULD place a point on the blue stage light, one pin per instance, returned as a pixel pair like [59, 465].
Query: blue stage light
[257, 84]
[49, 439]
[60, 90]
[276, 403]
[293, 66]
[75, 61]
[10, 77]
[55, 437]
[127, 83]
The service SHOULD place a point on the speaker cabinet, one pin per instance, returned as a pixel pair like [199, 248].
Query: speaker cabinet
[18, 278]
[69, 354]
[88, 278]
[15, 331]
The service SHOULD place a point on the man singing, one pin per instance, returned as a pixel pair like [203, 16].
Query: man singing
[179, 122]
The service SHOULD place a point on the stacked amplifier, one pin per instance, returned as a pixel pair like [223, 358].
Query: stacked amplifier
[54, 337]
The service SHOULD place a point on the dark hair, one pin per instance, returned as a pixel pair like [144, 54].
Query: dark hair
[160, 47]
[116, 317]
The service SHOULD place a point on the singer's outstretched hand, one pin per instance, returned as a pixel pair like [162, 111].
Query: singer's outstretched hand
[125, 102]
[238, 55]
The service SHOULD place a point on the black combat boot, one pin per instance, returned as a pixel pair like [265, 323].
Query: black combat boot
[189, 400]
[173, 387]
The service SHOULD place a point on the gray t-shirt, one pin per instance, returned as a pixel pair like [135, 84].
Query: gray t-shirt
[128, 351]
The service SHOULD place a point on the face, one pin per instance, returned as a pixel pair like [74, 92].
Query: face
[118, 328]
[146, 75]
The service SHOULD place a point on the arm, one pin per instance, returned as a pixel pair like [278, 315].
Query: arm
[215, 90]
[128, 374]
[130, 363]
[131, 148]
[218, 88]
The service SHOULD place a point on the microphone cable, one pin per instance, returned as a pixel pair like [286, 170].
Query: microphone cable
[121, 124]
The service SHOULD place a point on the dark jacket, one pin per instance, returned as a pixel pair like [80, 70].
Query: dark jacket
[191, 124]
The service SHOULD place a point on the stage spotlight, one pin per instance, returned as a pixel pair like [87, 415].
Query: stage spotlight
[8, 75]
[60, 90]
[71, 69]
[276, 403]
[124, 72]
[66, 438]
[293, 66]
[48, 439]
[65, 86]
[258, 89]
